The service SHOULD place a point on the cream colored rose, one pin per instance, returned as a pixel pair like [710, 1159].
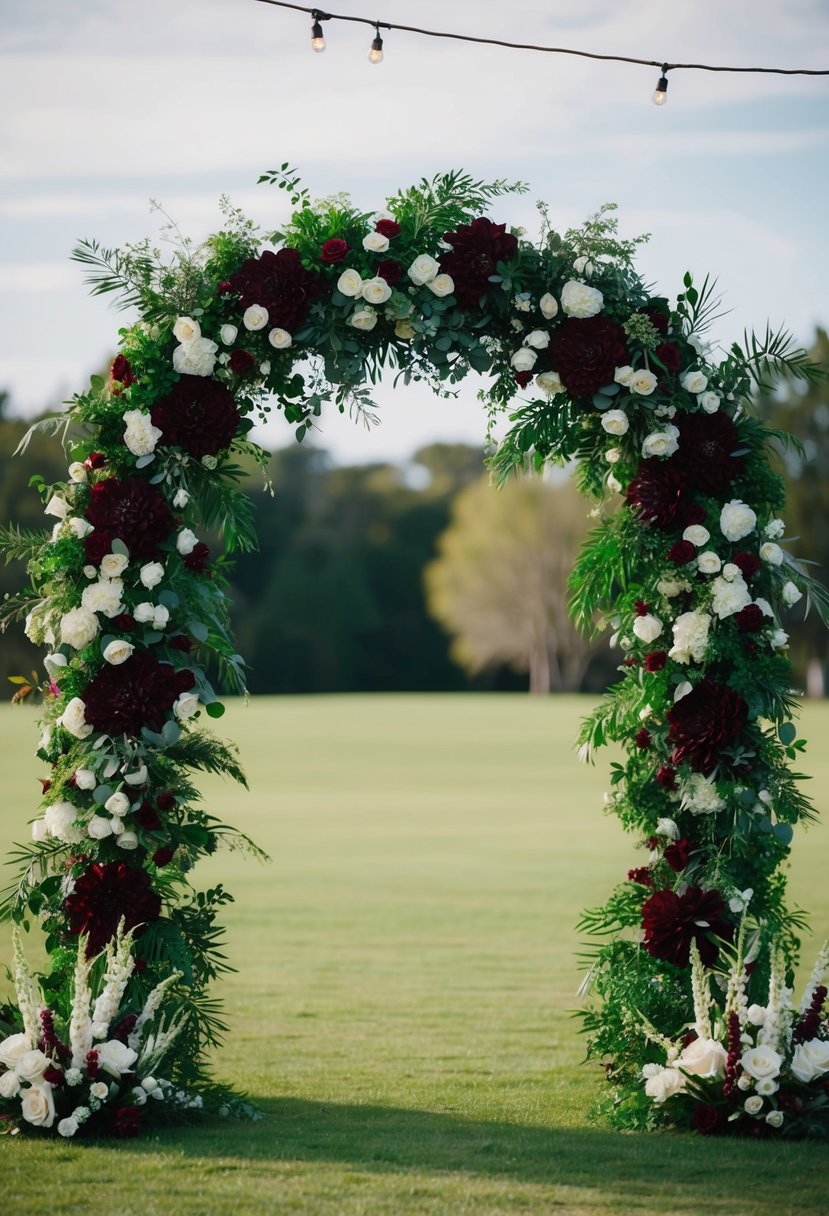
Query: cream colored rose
[753, 1105]
[615, 422]
[775, 1118]
[350, 283]
[810, 1060]
[74, 720]
[404, 330]
[643, 382]
[227, 334]
[186, 541]
[736, 520]
[118, 651]
[68, 1127]
[694, 382]
[37, 1105]
[708, 562]
[697, 535]
[31, 1066]
[761, 1062]
[151, 574]
[186, 705]
[77, 472]
[141, 436]
[117, 804]
[161, 616]
[661, 443]
[662, 1083]
[441, 285]
[375, 242]
[548, 305]
[98, 828]
[423, 269]
[538, 339]
[113, 565]
[78, 627]
[255, 318]
[579, 300]
[703, 1058]
[647, 628]
[144, 613]
[771, 553]
[9, 1085]
[364, 319]
[709, 401]
[126, 840]
[280, 339]
[13, 1049]
[583, 265]
[186, 329]
[115, 1057]
[524, 359]
[197, 358]
[791, 594]
[376, 291]
[549, 383]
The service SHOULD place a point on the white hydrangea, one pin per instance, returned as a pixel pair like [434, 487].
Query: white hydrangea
[670, 586]
[700, 795]
[728, 597]
[78, 627]
[690, 632]
[579, 300]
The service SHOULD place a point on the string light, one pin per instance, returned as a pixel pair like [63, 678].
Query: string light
[375, 55]
[659, 96]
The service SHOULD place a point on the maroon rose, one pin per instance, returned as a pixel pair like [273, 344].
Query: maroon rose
[138, 693]
[121, 371]
[96, 545]
[706, 720]
[656, 660]
[677, 855]
[522, 379]
[747, 563]
[279, 283]
[126, 1121]
[477, 248]
[198, 558]
[166, 801]
[672, 922]
[642, 738]
[133, 511]
[387, 228]
[333, 250]
[95, 460]
[162, 857]
[707, 443]
[666, 777]
[147, 817]
[657, 493]
[586, 352]
[198, 415]
[105, 894]
[749, 619]
[224, 287]
[181, 642]
[707, 1119]
[389, 270]
[241, 362]
[669, 356]
[124, 622]
[681, 553]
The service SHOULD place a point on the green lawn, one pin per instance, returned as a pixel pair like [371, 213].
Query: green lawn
[401, 1011]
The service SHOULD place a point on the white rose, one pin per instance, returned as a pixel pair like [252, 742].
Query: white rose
[186, 705]
[31, 1066]
[624, 375]
[78, 627]
[350, 283]
[57, 506]
[161, 617]
[74, 720]
[524, 359]
[736, 520]
[364, 319]
[730, 572]
[548, 305]
[756, 1015]
[810, 1060]
[68, 1126]
[9, 1085]
[779, 639]
[538, 339]
[99, 827]
[579, 300]
[99, 1090]
[583, 265]
[709, 401]
[77, 472]
[761, 1062]
[667, 827]
[126, 840]
[694, 382]
[664, 1084]
[643, 382]
[115, 1057]
[775, 1118]
[60, 823]
[197, 358]
[117, 804]
[37, 1105]
[549, 383]
[181, 499]
[105, 597]
[280, 339]
[144, 613]
[615, 422]
[117, 825]
[729, 597]
[647, 628]
[80, 527]
[227, 334]
[774, 529]
[186, 329]
[404, 330]
[149, 1084]
[118, 651]
[661, 443]
[40, 833]
[791, 594]
[113, 565]
[375, 242]
[377, 291]
[708, 562]
[85, 779]
[697, 535]
[703, 1058]
[14, 1048]
[151, 574]
[186, 541]
[141, 436]
[753, 1105]
[255, 318]
[690, 632]
[766, 1087]
[441, 285]
[771, 553]
[423, 269]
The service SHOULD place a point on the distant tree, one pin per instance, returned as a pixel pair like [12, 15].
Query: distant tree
[498, 585]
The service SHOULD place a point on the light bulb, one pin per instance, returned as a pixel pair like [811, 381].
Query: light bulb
[660, 95]
[375, 55]
[317, 37]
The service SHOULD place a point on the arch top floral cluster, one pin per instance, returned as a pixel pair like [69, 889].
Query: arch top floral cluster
[127, 596]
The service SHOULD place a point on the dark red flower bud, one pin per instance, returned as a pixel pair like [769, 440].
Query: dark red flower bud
[224, 287]
[656, 660]
[184, 680]
[333, 250]
[45, 784]
[389, 228]
[121, 371]
[91, 1063]
[522, 379]
[677, 855]
[653, 842]
[53, 1075]
[642, 738]
[198, 559]
[642, 608]
[681, 553]
[95, 460]
[166, 801]
[666, 777]
[642, 875]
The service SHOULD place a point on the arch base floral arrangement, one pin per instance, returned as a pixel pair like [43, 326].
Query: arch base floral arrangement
[691, 1007]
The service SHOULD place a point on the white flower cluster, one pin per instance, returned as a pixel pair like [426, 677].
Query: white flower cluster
[195, 355]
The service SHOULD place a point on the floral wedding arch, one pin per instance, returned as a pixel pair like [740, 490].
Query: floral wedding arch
[690, 1005]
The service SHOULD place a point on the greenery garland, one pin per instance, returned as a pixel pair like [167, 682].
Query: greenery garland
[684, 567]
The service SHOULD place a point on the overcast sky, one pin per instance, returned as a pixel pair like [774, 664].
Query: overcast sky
[106, 105]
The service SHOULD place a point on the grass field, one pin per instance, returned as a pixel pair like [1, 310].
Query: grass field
[401, 1011]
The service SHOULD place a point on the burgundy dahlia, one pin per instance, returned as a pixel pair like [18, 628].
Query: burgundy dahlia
[126, 1121]
[586, 351]
[476, 250]
[706, 720]
[105, 894]
[198, 415]
[279, 283]
[657, 492]
[671, 922]
[387, 228]
[140, 692]
[707, 443]
[390, 270]
[131, 510]
[333, 250]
